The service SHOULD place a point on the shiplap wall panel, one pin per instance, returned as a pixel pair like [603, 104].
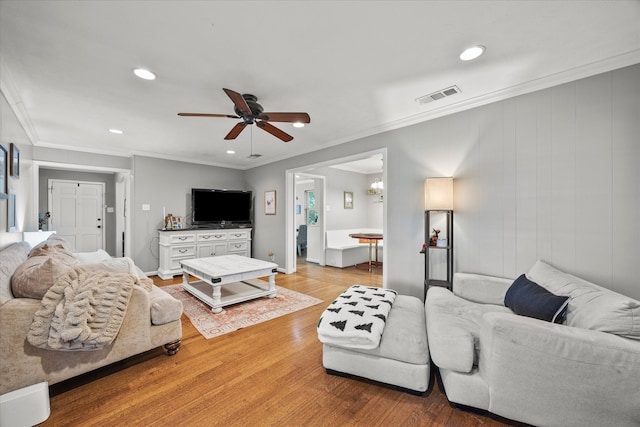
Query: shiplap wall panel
[544, 177]
[490, 180]
[509, 235]
[568, 190]
[471, 196]
[626, 181]
[593, 178]
[526, 181]
[563, 172]
[463, 200]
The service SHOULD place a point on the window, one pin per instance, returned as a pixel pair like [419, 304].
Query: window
[312, 214]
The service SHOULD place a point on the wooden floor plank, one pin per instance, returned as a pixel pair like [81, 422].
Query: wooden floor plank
[267, 374]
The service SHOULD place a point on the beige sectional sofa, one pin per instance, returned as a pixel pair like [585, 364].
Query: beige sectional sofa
[583, 371]
[150, 317]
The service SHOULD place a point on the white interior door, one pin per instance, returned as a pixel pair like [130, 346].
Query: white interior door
[77, 213]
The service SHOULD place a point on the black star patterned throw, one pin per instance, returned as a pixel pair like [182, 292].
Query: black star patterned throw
[356, 319]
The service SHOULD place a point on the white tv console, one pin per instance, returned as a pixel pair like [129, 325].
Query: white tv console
[179, 245]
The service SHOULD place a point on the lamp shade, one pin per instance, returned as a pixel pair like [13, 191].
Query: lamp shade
[438, 194]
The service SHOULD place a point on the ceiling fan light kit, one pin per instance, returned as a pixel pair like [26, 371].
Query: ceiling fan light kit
[250, 112]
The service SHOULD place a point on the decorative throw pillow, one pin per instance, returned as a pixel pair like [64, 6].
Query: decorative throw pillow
[48, 249]
[529, 299]
[590, 306]
[34, 277]
[53, 241]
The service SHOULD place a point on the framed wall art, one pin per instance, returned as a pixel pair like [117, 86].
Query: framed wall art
[4, 167]
[14, 163]
[348, 199]
[11, 213]
[270, 202]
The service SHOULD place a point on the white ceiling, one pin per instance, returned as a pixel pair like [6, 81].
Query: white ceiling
[356, 67]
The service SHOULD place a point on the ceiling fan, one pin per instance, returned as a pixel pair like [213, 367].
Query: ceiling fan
[247, 108]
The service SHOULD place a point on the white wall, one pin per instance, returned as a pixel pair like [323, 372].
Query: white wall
[338, 181]
[167, 184]
[375, 215]
[11, 131]
[554, 175]
[550, 175]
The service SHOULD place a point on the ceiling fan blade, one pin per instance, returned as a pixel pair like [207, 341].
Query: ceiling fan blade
[207, 115]
[233, 134]
[239, 101]
[286, 117]
[274, 131]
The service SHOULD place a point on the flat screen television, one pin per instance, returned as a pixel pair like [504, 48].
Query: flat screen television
[220, 207]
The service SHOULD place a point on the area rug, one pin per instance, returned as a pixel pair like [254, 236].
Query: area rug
[241, 315]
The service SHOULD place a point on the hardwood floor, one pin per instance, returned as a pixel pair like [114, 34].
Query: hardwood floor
[267, 374]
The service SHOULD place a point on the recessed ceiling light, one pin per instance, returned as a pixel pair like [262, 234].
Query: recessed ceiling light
[231, 152]
[298, 125]
[116, 131]
[144, 74]
[472, 53]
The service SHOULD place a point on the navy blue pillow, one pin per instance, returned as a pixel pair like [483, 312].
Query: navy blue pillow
[529, 299]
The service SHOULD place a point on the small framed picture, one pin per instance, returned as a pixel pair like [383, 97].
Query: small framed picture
[270, 202]
[14, 164]
[348, 199]
[4, 168]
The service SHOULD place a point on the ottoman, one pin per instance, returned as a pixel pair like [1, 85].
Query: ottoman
[401, 359]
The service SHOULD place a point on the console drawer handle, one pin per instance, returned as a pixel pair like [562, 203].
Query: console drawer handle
[182, 251]
[182, 237]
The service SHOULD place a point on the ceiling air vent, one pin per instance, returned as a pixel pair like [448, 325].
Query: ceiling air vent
[438, 95]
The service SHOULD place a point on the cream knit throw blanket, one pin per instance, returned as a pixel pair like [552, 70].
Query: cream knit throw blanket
[82, 311]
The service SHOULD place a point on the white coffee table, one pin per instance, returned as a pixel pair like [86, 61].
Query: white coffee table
[228, 279]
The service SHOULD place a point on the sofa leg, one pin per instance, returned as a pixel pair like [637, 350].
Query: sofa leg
[173, 347]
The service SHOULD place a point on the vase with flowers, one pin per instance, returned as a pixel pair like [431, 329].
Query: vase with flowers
[43, 220]
[434, 237]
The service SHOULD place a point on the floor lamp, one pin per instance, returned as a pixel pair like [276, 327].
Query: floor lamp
[438, 201]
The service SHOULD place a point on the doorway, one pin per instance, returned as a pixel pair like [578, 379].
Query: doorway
[77, 213]
[118, 194]
[308, 210]
[292, 176]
